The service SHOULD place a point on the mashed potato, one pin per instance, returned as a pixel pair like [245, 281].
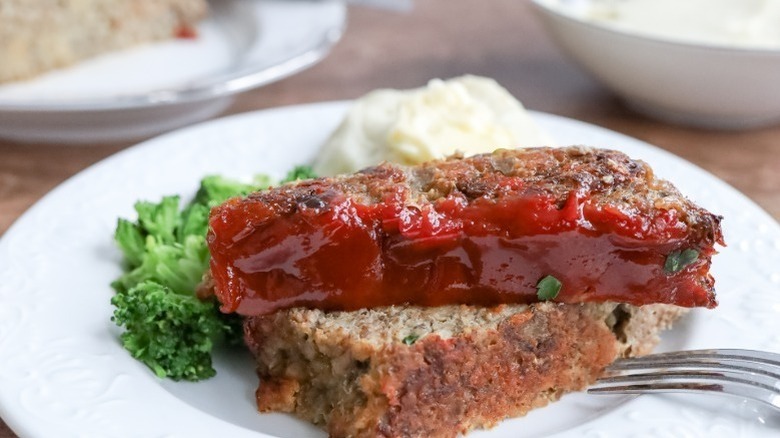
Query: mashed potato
[468, 114]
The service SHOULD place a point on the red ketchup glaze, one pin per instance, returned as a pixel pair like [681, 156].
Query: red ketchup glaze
[336, 254]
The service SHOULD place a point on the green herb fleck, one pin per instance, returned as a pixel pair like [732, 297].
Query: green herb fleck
[548, 288]
[411, 339]
[676, 261]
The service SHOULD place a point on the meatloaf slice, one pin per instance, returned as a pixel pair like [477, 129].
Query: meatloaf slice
[41, 35]
[436, 372]
[481, 230]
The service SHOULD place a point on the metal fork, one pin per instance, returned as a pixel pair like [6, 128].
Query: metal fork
[744, 373]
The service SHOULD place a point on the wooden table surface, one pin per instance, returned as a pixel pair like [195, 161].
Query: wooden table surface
[499, 39]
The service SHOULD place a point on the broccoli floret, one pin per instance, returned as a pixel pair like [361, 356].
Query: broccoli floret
[299, 173]
[179, 266]
[166, 325]
[159, 220]
[194, 222]
[215, 190]
[130, 239]
[172, 333]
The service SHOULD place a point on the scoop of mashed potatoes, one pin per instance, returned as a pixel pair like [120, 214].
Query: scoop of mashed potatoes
[469, 114]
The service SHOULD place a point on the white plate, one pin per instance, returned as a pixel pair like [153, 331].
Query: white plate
[63, 372]
[146, 90]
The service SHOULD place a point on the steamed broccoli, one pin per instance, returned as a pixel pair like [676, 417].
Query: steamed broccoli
[166, 325]
[171, 333]
[299, 173]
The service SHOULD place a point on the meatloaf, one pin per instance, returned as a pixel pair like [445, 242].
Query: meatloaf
[41, 35]
[426, 301]
[483, 230]
[436, 372]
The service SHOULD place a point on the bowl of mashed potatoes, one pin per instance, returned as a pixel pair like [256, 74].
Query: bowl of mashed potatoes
[705, 63]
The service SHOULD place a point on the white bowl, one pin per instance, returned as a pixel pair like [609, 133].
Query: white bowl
[694, 84]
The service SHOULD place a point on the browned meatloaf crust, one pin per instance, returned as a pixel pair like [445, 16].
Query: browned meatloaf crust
[437, 372]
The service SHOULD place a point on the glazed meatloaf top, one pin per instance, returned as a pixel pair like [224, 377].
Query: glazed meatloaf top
[478, 230]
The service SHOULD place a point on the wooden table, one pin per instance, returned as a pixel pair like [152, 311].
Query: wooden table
[500, 39]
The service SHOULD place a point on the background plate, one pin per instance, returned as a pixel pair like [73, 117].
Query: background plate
[64, 373]
[145, 90]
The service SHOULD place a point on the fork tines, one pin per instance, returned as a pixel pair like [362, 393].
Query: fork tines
[745, 373]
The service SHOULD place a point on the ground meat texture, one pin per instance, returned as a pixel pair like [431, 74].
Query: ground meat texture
[481, 230]
[437, 372]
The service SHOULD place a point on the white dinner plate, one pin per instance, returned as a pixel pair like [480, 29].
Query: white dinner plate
[64, 373]
[142, 91]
